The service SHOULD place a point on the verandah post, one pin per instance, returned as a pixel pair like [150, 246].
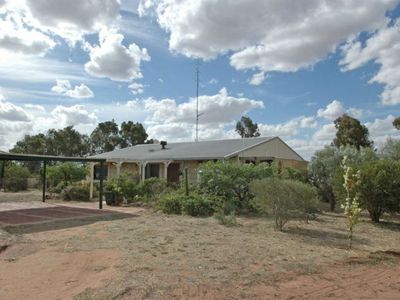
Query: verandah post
[44, 181]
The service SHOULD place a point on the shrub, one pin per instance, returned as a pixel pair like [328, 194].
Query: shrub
[285, 199]
[170, 204]
[152, 188]
[227, 220]
[295, 174]
[65, 174]
[16, 178]
[230, 182]
[379, 187]
[76, 193]
[197, 205]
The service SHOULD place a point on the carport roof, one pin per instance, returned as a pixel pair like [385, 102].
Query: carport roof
[37, 157]
[202, 150]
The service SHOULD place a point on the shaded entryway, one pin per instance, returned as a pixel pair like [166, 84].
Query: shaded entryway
[173, 172]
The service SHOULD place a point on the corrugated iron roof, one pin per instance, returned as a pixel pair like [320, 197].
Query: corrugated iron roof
[202, 150]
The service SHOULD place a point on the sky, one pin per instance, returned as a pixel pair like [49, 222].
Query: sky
[292, 66]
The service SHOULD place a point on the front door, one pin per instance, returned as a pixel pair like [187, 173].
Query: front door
[173, 172]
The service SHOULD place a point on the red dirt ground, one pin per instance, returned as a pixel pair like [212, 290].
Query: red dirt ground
[343, 280]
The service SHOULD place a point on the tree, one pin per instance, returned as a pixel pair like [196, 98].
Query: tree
[67, 142]
[351, 205]
[105, 137]
[285, 199]
[246, 128]
[391, 149]
[380, 187]
[396, 123]
[325, 174]
[132, 134]
[32, 144]
[351, 132]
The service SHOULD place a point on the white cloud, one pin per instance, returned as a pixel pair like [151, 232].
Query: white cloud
[64, 87]
[35, 107]
[219, 108]
[336, 109]
[381, 129]
[257, 78]
[332, 111]
[308, 122]
[111, 59]
[382, 48]
[213, 81]
[73, 115]
[16, 38]
[166, 118]
[71, 19]
[136, 88]
[11, 112]
[289, 128]
[268, 35]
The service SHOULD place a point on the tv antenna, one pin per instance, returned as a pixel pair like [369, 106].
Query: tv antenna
[197, 100]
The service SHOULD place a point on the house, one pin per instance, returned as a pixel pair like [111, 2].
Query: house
[167, 160]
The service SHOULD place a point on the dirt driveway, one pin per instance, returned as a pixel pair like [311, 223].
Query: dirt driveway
[154, 256]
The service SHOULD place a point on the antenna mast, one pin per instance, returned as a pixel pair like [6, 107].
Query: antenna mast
[197, 100]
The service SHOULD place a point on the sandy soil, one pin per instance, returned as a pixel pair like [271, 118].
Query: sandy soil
[153, 256]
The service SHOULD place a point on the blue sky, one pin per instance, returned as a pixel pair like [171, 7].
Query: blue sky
[293, 68]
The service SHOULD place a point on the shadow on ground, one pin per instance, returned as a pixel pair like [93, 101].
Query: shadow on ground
[324, 238]
[56, 224]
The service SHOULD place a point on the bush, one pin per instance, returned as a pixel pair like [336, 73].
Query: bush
[76, 193]
[230, 182]
[170, 204]
[152, 188]
[227, 220]
[379, 187]
[197, 205]
[285, 199]
[16, 178]
[65, 174]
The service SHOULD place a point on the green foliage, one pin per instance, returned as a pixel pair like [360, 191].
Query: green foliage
[246, 128]
[284, 199]
[351, 205]
[65, 174]
[105, 137]
[132, 134]
[171, 204]
[152, 188]
[379, 187]
[295, 174]
[227, 220]
[351, 132]
[391, 149]
[230, 182]
[16, 178]
[76, 192]
[194, 204]
[198, 205]
[65, 142]
[324, 169]
[396, 123]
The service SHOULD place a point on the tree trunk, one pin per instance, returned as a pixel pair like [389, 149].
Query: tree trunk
[332, 203]
[375, 215]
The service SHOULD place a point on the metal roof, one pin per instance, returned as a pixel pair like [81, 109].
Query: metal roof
[37, 157]
[202, 150]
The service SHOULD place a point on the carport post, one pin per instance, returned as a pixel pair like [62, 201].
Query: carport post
[44, 181]
[2, 169]
[101, 185]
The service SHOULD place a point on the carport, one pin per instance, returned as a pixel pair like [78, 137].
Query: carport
[44, 159]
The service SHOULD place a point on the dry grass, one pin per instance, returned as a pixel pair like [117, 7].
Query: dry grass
[162, 253]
